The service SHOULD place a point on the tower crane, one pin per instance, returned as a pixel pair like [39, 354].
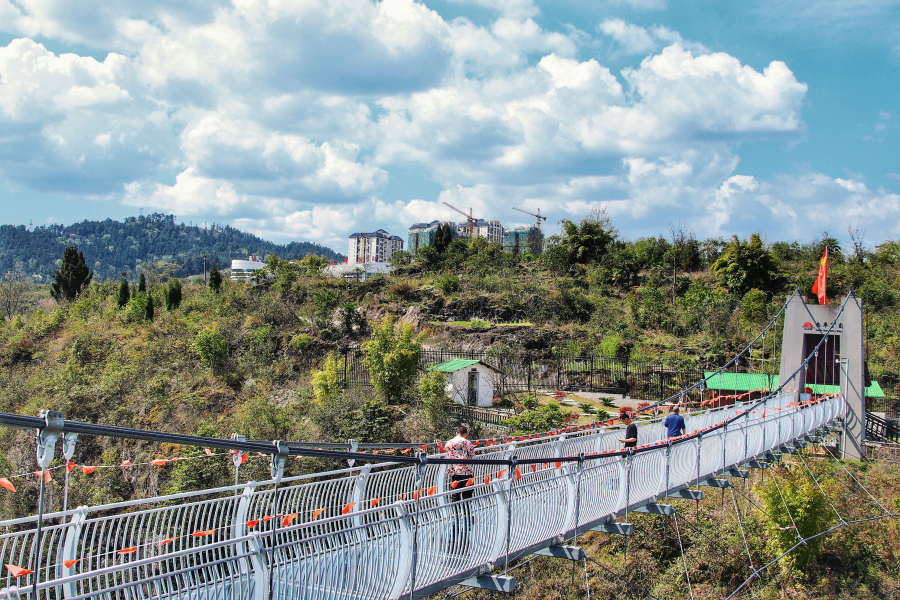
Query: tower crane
[470, 220]
[538, 215]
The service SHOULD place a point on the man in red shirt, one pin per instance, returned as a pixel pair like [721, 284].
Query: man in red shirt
[460, 448]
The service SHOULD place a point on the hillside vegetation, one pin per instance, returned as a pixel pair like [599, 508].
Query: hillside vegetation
[115, 246]
[264, 360]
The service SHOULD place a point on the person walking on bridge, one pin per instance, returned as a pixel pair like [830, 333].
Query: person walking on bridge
[460, 448]
[631, 434]
[674, 424]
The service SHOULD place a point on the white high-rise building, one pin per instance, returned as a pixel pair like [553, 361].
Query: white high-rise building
[372, 247]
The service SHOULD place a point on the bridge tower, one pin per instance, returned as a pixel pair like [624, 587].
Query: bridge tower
[839, 364]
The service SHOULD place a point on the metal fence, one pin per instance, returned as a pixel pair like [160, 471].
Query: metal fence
[889, 406]
[548, 371]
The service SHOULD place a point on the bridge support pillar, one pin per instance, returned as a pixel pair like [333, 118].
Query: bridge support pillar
[687, 494]
[614, 527]
[494, 583]
[567, 552]
[656, 509]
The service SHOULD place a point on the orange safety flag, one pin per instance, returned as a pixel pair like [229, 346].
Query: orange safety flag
[424, 448]
[69, 563]
[7, 484]
[288, 519]
[126, 463]
[18, 571]
[487, 479]
[208, 451]
[546, 465]
[557, 464]
[263, 454]
[202, 533]
[453, 485]
[267, 518]
[167, 541]
[518, 475]
[490, 443]
[475, 445]
[818, 288]
[127, 551]
[87, 470]
[470, 482]
[70, 466]
[347, 508]
[232, 452]
[375, 452]
[158, 462]
[317, 512]
[403, 496]
[47, 476]
[416, 495]
[432, 490]
[405, 451]
[375, 502]
[533, 468]
[244, 458]
[500, 473]
[252, 524]
[440, 447]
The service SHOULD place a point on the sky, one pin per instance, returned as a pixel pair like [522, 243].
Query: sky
[313, 119]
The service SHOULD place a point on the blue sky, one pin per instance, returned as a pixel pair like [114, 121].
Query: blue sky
[308, 120]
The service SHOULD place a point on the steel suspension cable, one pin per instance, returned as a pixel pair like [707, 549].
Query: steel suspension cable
[824, 495]
[743, 535]
[683, 558]
[788, 510]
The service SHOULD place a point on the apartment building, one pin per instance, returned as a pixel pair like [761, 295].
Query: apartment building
[372, 247]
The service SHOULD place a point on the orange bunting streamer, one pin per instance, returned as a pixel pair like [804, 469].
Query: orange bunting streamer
[267, 518]
[557, 464]
[347, 508]
[18, 571]
[158, 462]
[263, 454]
[470, 482]
[405, 450]
[7, 484]
[288, 519]
[87, 470]
[47, 476]
[202, 533]
[424, 447]
[208, 451]
[440, 447]
[166, 541]
[403, 496]
[500, 473]
[533, 468]
[453, 485]
[125, 551]
[126, 463]
[416, 495]
[487, 479]
[69, 563]
[518, 475]
[546, 465]
[252, 524]
[232, 452]
[432, 490]
[375, 502]
[317, 512]
[70, 466]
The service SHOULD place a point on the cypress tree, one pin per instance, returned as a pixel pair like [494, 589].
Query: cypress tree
[148, 308]
[72, 277]
[215, 278]
[124, 294]
[172, 294]
[142, 283]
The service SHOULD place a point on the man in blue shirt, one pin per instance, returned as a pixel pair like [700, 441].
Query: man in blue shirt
[674, 424]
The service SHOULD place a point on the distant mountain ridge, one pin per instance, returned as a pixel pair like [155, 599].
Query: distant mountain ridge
[111, 247]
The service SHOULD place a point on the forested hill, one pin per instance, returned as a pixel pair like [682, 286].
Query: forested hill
[111, 247]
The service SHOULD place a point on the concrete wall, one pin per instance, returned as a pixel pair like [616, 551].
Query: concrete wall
[802, 318]
[458, 385]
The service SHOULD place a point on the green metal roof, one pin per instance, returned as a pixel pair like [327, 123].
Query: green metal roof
[452, 366]
[739, 382]
[745, 382]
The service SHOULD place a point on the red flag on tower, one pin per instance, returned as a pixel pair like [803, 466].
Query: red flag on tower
[818, 287]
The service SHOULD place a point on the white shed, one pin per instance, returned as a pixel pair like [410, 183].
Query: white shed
[469, 382]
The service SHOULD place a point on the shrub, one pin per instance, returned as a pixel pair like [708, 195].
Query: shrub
[448, 283]
[172, 294]
[392, 358]
[211, 346]
[542, 419]
[300, 342]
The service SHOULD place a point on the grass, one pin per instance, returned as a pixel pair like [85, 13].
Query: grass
[472, 323]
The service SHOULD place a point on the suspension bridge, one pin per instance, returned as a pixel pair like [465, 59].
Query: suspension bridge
[385, 526]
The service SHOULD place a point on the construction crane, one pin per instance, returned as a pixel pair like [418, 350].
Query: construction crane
[538, 215]
[470, 220]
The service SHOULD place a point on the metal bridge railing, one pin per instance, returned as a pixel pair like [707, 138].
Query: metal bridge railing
[381, 531]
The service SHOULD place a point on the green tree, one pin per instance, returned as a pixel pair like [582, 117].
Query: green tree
[754, 307]
[544, 418]
[434, 403]
[148, 308]
[579, 245]
[745, 265]
[172, 294]
[72, 277]
[399, 259]
[329, 381]
[215, 278]
[392, 359]
[314, 264]
[210, 344]
[13, 290]
[124, 293]
[142, 283]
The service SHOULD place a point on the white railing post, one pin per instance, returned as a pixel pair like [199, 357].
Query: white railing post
[358, 493]
[404, 568]
[257, 560]
[70, 550]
